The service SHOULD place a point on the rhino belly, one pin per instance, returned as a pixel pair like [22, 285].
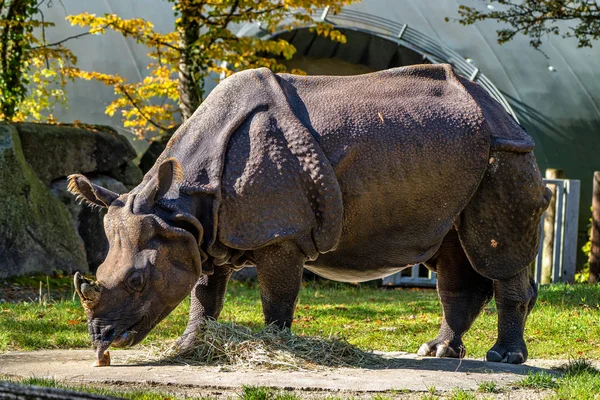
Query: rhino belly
[354, 276]
[374, 258]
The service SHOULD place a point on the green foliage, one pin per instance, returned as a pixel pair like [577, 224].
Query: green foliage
[539, 19]
[202, 43]
[32, 73]
[583, 275]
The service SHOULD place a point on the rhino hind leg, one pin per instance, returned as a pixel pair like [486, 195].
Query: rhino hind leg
[279, 271]
[499, 231]
[463, 293]
[515, 297]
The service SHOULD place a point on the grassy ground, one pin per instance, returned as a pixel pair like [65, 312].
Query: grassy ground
[564, 323]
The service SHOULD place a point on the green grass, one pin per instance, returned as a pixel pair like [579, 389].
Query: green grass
[538, 380]
[564, 323]
[246, 393]
[139, 394]
[489, 387]
[265, 393]
[461, 394]
[580, 380]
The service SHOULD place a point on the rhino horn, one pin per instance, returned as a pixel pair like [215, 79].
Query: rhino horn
[88, 290]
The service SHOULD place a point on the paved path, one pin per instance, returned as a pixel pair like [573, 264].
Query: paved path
[406, 371]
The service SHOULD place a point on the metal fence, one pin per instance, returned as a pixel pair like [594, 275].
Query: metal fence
[564, 251]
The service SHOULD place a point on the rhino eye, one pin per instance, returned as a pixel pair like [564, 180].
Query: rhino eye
[135, 281]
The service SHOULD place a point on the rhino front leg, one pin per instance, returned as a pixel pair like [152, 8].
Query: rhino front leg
[207, 298]
[463, 293]
[279, 270]
[515, 297]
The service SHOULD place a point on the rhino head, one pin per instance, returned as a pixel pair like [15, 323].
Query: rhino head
[153, 260]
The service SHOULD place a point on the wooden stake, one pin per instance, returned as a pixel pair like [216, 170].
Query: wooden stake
[549, 219]
[595, 236]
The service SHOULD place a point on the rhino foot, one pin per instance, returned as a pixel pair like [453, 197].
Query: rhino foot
[442, 348]
[187, 341]
[507, 354]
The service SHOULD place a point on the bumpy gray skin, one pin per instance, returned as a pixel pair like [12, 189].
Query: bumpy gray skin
[354, 178]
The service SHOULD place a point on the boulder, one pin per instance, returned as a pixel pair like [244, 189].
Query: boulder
[36, 231]
[89, 221]
[56, 151]
[154, 150]
[129, 174]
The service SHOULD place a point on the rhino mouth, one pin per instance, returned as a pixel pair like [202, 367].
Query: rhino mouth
[128, 337]
[125, 339]
[117, 338]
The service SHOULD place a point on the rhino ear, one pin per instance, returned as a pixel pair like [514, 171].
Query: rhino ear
[169, 173]
[94, 195]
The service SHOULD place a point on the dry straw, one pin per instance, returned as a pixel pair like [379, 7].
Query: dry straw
[228, 344]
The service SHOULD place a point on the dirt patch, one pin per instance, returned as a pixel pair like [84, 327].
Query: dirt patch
[405, 375]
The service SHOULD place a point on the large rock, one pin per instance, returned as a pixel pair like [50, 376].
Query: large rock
[155, 149]
[56, 151]
[129, 174]
[89, 221]
[36, 232]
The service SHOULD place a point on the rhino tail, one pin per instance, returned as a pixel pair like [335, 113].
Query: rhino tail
[520, 145]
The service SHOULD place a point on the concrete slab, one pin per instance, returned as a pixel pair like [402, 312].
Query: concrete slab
[405, 371]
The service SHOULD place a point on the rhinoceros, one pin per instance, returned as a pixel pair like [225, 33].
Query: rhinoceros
[353, 178]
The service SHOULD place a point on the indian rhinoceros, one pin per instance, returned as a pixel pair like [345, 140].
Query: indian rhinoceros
[353, 178]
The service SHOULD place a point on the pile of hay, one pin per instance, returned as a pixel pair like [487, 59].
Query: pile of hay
[234, 345]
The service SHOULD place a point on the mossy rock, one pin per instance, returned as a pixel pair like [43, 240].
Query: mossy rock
[155, 149]
[129, 174]
[36, 231]
[56, 151]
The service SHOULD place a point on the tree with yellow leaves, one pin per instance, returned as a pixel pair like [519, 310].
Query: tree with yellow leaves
[202, 43]
[32, 73]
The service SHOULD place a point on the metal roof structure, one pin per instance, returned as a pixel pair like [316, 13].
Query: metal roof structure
[354, 23]
[555, 96]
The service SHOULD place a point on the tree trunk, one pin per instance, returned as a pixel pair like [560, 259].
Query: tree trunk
[548, 244]
[190, 90]
[12, 55]
[595, 236]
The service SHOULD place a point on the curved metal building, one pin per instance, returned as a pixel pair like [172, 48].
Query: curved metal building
[556, 96]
